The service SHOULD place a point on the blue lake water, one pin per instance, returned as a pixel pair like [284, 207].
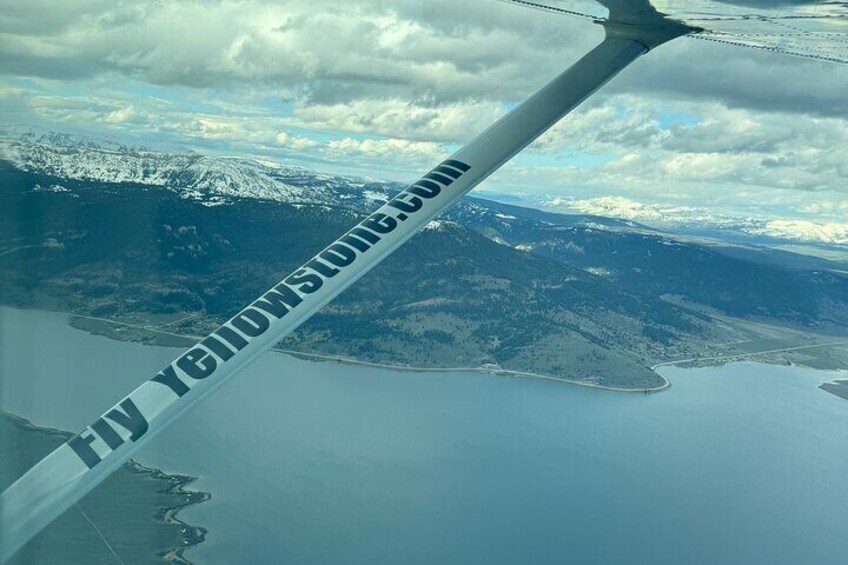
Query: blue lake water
[331, 463]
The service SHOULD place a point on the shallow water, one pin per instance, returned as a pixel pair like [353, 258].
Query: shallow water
[325, 462]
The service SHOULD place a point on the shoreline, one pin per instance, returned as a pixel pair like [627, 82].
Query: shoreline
[167, 485]
[172, 339]
[192, 535]
[494, 371]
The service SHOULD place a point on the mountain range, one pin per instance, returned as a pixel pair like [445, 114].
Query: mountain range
[115, 231]
[701, 221]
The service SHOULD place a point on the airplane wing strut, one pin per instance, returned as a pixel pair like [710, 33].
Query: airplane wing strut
[76, 467]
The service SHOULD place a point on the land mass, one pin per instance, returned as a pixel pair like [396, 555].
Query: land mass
[132, 517]
[781, 347]
[146, 246]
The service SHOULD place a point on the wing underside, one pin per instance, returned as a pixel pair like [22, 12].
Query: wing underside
[815, 30]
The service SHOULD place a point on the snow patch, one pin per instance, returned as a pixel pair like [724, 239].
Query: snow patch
[51, 188]
[661, 216]
[435, 225]
[598, 271]
[373, 196]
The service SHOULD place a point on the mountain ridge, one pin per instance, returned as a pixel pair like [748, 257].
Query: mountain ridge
[699, 220]
[205, 177]
[124, 233]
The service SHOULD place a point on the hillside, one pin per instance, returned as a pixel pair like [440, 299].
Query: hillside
[119, 233]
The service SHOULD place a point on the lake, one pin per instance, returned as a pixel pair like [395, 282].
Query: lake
[332, 463]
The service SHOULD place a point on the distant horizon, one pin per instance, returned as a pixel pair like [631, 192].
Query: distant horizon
[693, 220]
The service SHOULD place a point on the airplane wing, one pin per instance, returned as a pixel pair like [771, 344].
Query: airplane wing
[810, 29]
[633, 27]
[76, 467]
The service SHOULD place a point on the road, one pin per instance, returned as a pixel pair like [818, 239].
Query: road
[749, 354]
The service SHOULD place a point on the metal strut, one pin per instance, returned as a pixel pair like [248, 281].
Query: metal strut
[76, 467]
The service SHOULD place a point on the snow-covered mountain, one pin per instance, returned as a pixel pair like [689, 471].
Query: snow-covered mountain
[702, 221]
[803, 230]
[214, 180]
[200, 177]
[97, 206]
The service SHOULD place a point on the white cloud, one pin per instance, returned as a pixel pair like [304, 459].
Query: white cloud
[295, 142]
[395, 149]
[391, 84]
[121, 115]
[398, 118]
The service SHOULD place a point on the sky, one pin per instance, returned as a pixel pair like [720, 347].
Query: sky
[387, 88]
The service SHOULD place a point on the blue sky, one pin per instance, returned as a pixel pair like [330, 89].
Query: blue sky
[386, 89]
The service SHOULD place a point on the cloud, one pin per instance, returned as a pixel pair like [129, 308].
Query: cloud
[396, 85]
[393, 117]
[397, 149]
[295, 142]
[122, 115]
[453, 50]
[693, 69]
[441, 49]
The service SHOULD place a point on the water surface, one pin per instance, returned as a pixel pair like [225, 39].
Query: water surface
[327, 463]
